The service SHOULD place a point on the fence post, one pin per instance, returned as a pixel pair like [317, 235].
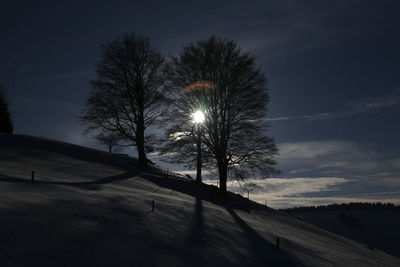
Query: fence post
[33, 176]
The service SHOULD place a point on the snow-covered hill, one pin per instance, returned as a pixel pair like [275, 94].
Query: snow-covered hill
[88, 207]
[376, 228]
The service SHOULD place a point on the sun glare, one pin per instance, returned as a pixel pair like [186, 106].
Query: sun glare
[198, 117]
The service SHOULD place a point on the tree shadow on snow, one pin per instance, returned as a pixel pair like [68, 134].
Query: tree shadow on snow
[86, 184]
[263, 251]
[195, 239]
[75, 233]
[10, 179]
[205, 192]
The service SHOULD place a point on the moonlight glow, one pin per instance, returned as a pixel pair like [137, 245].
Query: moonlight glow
[198, 117]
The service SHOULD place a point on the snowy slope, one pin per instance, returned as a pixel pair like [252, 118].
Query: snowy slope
[374, 228]
[89, 207]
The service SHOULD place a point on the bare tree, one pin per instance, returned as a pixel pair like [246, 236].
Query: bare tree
[126, 95]
[234, 99]
[111, 140]
[6, 124]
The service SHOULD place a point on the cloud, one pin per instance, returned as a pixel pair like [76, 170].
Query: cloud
[357, 108]
[377, 104]
[318, 149]
[306, 117]
[336, 158]
[325, 172]
[294, 192]
[284, 187]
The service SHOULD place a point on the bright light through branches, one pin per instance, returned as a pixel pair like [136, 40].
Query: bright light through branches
[198, 117]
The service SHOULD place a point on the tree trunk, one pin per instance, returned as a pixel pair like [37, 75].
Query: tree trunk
[223, 175]
[199, 162]
[141, 153]
[140, 143]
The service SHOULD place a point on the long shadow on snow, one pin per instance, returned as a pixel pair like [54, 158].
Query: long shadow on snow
[205, 192]
[263, 251]
[82, 234]
[261, 247]
[196, 240]
[102, 181]
[10, 179]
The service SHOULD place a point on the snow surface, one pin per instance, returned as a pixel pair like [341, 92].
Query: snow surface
[374, 228]
[88, 207]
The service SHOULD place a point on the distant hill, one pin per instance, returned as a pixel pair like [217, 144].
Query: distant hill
[87, 207]
[377, 225]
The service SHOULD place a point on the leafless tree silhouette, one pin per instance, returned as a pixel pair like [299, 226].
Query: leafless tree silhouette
[214, 75]
[111, 140]
[126, 95]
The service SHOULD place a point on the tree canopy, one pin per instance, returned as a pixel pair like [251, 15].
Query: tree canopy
[126, 94]
[214, 75]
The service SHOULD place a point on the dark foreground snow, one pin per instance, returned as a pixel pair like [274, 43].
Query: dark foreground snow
[89, 207]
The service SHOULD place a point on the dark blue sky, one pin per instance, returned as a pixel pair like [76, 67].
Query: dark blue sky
[333, 66]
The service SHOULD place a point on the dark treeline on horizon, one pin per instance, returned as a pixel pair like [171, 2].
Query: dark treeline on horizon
[347, 206]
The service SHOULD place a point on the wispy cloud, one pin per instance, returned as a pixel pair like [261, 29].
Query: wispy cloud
[358, 108]
[302, 117]
[292, 192]
[284, 187]
[336, 158]
[324, 172]
[383, 102]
